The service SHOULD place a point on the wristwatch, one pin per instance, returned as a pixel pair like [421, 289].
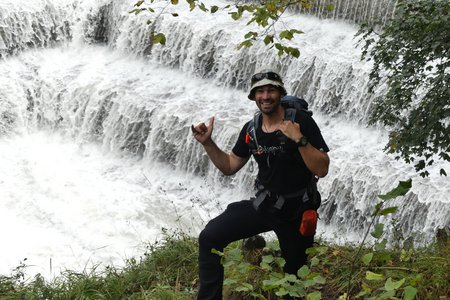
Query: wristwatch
[303, 142]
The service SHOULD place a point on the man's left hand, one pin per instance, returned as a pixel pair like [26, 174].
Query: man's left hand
[291, 130]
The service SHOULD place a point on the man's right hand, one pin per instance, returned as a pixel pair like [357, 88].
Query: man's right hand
[202, 133]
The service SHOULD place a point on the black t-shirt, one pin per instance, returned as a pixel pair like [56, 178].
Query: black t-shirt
[281, 167]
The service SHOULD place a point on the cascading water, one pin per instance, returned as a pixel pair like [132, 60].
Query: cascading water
[96, 144]
[357, 11]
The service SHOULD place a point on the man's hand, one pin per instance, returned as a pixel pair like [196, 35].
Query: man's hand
[315, 160]
[202, 133]
[291, 130]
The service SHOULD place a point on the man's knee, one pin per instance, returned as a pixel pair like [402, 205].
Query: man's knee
[209, 237]
[205, 237]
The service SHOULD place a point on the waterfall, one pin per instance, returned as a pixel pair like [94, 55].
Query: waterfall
[107, 98]
[357, 11]
[27, 25]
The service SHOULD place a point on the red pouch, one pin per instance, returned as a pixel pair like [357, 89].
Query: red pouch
[309, 222]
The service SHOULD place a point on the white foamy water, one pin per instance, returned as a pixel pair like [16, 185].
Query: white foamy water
[83, 126]
[71, 206]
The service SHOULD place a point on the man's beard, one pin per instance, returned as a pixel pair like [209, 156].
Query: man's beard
[271, 111]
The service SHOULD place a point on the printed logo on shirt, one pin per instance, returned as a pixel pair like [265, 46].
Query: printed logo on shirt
[268, 150]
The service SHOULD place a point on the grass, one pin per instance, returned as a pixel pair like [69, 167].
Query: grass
[168, 270]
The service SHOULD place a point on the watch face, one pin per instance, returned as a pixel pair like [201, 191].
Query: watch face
[303, 142]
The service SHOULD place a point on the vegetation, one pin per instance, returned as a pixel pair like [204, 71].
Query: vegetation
[169, 271]
[165, 271]
[411, 56]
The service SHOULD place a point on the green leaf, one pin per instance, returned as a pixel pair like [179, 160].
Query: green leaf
[235, 15]
[294, 52]
[286, 34]
[296, 31]
[280, 261]
[320, 250]
[388, 210]
[391, 285]
[290, 277]
[378, 232]
[268, 39]
[245, 287]
[319, 279]
[246, 43]
[265, 266]
[234, 254]
[374, 276]
[276, 282]
[251, 34]
[215, 251]
[386, 295]
[244, 267]
[366, 290]
[308, 283]
[202, 7]
[314, 261]
[410, 293]
[316, 295]
[139, 3]
[174, 14]
[267, 259]
[229, 281]
[191, 4]
[378, 207]
[303, 272]
[174, 2]
[343, 297]
[406, 255]
[214, 9]
[136, 11]
[367, 258]
[228, 263]
[402, 188]
[381, 245]
[281, 292]
[442, 172]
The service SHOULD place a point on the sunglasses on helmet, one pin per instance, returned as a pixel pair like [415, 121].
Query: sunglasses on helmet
[269, 75]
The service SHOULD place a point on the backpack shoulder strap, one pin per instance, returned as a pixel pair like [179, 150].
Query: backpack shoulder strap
[256, 118]
[289, 113]
[252, 127]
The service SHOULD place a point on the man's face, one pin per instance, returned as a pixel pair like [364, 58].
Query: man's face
[267, 98]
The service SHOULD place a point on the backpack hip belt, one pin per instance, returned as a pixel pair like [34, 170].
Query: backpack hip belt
[262, 194]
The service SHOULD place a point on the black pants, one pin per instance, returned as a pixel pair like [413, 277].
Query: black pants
[241, 220]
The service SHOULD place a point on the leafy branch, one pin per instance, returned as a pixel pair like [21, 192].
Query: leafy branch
[390, 286]
[264, 14]
[411, 57]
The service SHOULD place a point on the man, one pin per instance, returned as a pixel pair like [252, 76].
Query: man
[284, 168]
